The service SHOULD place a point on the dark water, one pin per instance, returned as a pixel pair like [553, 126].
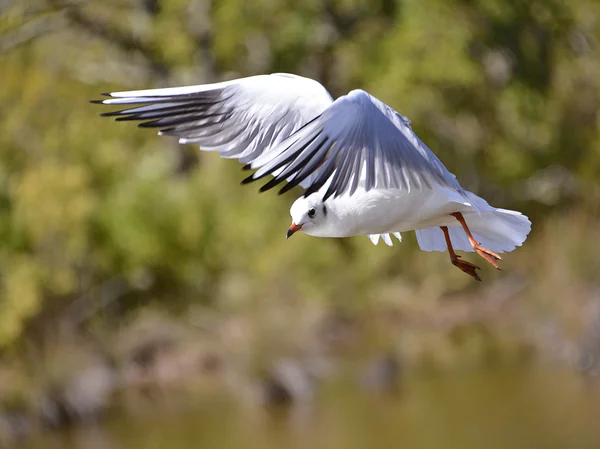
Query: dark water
[503, 408]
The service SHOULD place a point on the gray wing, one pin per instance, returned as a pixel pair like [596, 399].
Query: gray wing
[240, 119]
[358, 140]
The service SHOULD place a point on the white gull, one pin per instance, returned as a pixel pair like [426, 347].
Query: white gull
[364, 170]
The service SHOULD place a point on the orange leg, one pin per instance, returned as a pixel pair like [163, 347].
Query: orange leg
[463, 265]
[489, 256]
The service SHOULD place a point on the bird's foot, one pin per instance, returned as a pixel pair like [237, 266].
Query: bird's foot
[489, 256]
[465, 266]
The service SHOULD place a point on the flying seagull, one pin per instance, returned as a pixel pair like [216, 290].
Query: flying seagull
[364, 170]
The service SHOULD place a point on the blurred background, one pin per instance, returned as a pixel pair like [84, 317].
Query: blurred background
[149, 301]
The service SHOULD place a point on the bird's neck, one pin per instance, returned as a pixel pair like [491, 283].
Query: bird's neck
[339, 220]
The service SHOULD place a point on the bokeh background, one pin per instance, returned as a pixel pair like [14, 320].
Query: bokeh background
[148, 301]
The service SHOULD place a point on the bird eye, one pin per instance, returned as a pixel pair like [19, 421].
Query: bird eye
[311, 212]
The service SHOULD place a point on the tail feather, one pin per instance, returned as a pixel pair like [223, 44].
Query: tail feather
[499, 230]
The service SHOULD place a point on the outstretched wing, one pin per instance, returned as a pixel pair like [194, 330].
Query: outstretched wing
[289, 127]
[240, 119]
[358, 140]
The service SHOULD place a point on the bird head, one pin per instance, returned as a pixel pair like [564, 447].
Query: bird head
[308, 214]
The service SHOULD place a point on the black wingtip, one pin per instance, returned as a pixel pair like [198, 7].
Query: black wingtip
[153, 124]
[272, 183]
[308, 192]
[248, 180]
[286, 188]
[97, 101]
[110, 114]
[327, 195]
[106, 94]
[247, 167]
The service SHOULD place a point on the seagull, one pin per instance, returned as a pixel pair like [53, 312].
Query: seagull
[364, 170]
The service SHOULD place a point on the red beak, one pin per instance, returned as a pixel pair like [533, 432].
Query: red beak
[292, 230]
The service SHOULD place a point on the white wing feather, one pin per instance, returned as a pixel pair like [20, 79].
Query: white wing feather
[385, 237]
[242, 119]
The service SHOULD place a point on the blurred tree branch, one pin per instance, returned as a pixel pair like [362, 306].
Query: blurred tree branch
[344, 24]
[31, 30]
[121, 39]
[5, 5]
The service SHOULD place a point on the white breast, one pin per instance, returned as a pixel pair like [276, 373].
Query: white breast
[384, 211]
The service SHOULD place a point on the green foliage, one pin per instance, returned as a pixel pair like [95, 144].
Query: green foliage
[501, 90]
